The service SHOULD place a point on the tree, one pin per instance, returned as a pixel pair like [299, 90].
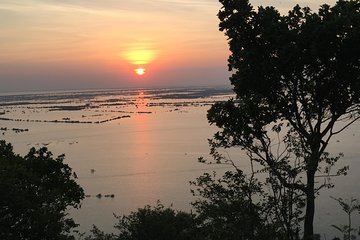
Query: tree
[235, 207]
[348, 206]
[152, 223]
[36, 190]
[157, 223]
[297, 84]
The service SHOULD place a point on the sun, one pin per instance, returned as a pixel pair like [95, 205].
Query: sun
[140, 54]
[140, 71]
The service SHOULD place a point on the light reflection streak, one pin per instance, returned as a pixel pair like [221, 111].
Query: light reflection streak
[142, 146]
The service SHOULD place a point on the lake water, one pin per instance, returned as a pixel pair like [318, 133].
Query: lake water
[142, 146]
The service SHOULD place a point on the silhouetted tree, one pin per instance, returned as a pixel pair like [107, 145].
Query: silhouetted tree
[235, 207]
[296, 77]
[349, 206]
[157, 223]
[35, 192]
[152, 223]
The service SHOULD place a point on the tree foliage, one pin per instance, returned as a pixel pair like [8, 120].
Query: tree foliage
[157, 223]
[349, 206]
[297, 84]
[235, 207]
[36, 190]
[152, 223]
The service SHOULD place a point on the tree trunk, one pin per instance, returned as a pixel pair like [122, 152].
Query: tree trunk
[310, 206]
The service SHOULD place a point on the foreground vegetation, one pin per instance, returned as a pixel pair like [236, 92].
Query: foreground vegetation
[36, 190]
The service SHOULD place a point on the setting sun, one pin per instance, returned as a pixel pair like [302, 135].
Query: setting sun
[140, 71]
[140, 54]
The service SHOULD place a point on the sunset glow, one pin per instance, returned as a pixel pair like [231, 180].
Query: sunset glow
[140, 71]
[140, 56]
[81, 44]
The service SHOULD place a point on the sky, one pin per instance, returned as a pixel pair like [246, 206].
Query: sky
[97, 44]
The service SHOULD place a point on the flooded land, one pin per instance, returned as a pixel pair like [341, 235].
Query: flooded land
[130, 148]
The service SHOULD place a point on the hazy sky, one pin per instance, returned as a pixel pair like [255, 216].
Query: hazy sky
[90, 44]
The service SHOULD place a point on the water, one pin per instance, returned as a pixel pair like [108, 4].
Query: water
[143, 146]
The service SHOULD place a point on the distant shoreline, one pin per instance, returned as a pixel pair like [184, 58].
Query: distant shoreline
[55, 91]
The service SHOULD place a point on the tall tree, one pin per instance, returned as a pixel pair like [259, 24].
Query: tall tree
[36, 190]
[296, 76]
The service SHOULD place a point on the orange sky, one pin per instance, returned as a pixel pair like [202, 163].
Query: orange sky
[89, 44]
